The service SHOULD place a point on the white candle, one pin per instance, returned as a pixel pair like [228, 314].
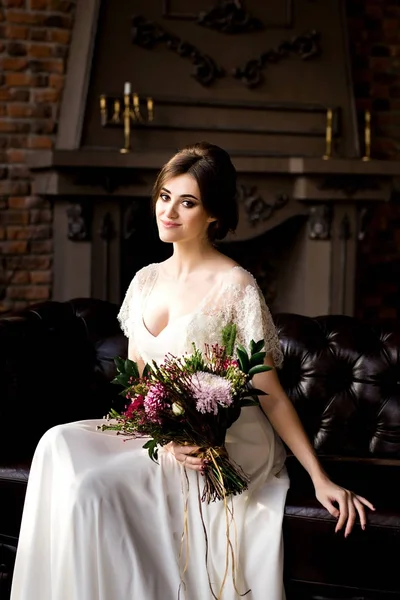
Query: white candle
[127, 88]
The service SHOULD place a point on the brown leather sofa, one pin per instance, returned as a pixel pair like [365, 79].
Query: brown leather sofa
[56, 363]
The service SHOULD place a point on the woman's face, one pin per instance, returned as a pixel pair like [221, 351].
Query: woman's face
[180, 214]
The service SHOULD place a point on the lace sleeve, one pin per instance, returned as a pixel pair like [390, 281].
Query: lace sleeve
[130, 310]
[254, 321]
[126, 312]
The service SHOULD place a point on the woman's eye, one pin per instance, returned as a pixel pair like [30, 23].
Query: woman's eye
[188, 203]
[164, 197]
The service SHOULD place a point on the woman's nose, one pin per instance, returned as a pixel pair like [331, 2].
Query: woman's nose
[171, 211]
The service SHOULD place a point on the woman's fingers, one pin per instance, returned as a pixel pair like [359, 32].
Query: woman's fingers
[356, 504]
[361, 512]
[364, 501]
[351, 519]
[343, 512]
[183, 455]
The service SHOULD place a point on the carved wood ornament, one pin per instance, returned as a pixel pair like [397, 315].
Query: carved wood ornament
[228, 17]
[147, 34]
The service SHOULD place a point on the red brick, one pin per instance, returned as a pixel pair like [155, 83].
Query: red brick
[29, 262]
[24, 17]
[41, 216]
[38, 4]
[13, 3]
[14, 217]
[14, 247]
[38, 277]
[60, 36]
[61, 5]
[18, 202]
[16, 156]
[18, 277]
[9, 63]
[38, 34]
[17, 32]
[45, 247]
[9, 126]
[37, 292]
[40, 142]
[56, 81]
[18, 79]
[30, 232]
[40, 50]
[44, 96]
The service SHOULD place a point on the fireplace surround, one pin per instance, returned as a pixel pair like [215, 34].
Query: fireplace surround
[304, 190]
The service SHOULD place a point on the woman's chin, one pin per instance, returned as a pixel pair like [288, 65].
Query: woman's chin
[168, 236]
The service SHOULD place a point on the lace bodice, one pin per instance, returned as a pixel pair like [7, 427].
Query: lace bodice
[235, 298]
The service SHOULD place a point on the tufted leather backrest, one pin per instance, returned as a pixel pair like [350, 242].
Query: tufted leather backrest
[343, 376]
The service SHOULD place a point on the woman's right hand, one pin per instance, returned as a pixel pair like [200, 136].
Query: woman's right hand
[183, 455]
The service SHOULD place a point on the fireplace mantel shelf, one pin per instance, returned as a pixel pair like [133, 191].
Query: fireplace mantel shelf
[60, 160]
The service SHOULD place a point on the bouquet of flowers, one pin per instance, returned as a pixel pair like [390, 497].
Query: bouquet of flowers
[192, 399]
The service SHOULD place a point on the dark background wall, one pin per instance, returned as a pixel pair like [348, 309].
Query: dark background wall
[34, 42]
[374, 33]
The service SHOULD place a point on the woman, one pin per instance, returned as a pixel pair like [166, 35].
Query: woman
[103, 522]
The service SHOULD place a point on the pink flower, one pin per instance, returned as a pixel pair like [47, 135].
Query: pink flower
[209, 391]
[155, 402]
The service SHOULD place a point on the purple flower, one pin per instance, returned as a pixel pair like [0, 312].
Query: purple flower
[209, 391]
[154, 402]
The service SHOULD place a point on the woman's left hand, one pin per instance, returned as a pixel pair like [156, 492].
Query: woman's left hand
[350, 504]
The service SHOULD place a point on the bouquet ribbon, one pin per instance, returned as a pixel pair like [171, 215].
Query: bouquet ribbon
[212, 454]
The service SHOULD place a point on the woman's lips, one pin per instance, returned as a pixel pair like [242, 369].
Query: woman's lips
[170, 225]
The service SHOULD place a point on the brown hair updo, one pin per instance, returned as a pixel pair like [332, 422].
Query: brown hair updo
[215, 175]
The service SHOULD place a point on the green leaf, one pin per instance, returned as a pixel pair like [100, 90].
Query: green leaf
[114, 414]
[253, 401]
[151, 447]
[252, 347]
[257, 392]
[259, 369]
[229, 338]
[243, 359]
[257, 358]
[131, 368]
[259, 345]
[120, 363]
[146, 370]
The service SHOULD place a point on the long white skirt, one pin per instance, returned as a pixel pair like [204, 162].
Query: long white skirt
[103, 522]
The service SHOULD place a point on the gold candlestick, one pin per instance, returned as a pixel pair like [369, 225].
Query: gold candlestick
[128, 112]
[328, 135]
[127, 125]
[150, 109]
[367, 136]
[116, 117]
[103, 109]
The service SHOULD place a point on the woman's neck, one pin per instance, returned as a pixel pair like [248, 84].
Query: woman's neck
[189, 258]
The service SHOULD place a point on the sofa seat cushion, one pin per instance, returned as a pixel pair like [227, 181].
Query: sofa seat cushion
[366, 560]
[13, 480]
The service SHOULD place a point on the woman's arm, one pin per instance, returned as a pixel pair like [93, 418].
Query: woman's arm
[134, 355]
[285, 420]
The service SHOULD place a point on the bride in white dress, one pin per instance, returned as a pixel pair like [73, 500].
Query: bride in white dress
[102, 521]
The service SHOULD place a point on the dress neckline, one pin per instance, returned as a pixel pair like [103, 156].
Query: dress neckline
[154, 277]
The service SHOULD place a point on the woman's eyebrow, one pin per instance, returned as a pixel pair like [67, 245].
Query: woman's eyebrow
[182, 195]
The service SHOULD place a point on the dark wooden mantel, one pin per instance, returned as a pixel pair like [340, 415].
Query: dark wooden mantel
[68, 172]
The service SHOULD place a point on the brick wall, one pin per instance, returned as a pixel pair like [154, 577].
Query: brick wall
[34, 42]
[374, 27]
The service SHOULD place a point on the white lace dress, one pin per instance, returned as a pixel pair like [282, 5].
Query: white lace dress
[103, 522]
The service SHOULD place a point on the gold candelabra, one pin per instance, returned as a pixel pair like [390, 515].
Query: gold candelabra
[367, 136]
[124, 113]
[328, 134]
